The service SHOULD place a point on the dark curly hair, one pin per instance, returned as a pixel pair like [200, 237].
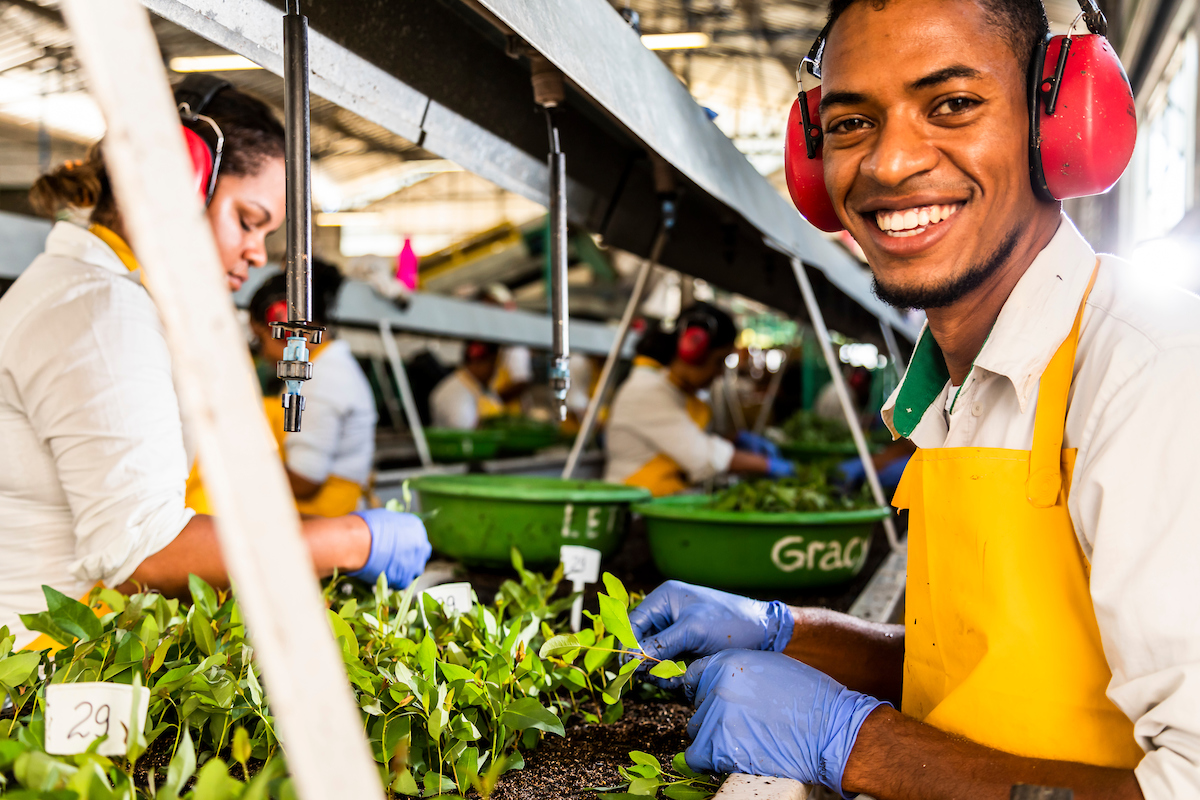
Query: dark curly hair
[1022, 23]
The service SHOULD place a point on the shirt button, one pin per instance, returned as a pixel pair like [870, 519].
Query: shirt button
[977, 409]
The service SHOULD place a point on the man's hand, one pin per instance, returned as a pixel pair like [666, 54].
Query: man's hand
[754, 443]
[768, 714]
[678, 618]
[399, 547]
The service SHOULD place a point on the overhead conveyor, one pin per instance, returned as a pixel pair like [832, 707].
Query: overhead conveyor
[440, 74]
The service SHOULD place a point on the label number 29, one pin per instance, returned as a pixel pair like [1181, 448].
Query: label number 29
[97, 715]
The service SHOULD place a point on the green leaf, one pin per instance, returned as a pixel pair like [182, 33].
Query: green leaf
[616, 621]
[559, 645]
[43, 622]
[682, 791]
[644, 786]
[668, 669]
[183, 764]
[529, 713]
[616, 589]
[16, 669]
[630, 665]
[612, 692]
[639, 757]
[405, 784]
[427, 657]
[595, 659]
[344, 635]
[203, 595]
[679, 764]
[202, 632]
[71, 615]
[160, 655]
[240, 749]
[517, 561]
[214, 782]
[453, 672]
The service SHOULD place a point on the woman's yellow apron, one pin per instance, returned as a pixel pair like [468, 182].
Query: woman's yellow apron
[486, 405]
[336, 497]
[1001, 641]
[662, 475]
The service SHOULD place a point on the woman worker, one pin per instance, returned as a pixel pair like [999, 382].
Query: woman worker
[92, 482]
[463, 398]
[657, 431]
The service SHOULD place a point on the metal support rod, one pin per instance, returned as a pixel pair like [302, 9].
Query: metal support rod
[258, 529]
[764, 413]
[889, 338]
[385, 390]
[839, 385]
[295, 368]
[640, 285]
[737, 417]
[406, 395]
[560, 371]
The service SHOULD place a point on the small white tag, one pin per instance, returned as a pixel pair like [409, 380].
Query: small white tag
[580, 564]
[78, 714]
[454, 597]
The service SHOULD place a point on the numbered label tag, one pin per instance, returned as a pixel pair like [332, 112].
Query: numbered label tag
[580, 564]
[78, 714]
[454, 597]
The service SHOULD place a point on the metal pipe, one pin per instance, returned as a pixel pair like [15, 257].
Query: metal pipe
[298, 164]
[760, 423]
[640, 285]
[889, 338]
[560, 371]
[406, 394]
[839, 385]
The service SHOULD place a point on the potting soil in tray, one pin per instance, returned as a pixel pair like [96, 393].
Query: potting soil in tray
[590, 753]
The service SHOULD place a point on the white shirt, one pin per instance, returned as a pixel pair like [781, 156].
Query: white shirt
[649, 416]
[1135, 492]
[454, 403]
[93, 468]
[517, 361]
[338, 434]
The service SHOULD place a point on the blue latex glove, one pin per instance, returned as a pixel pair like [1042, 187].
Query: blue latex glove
[769, 714]
[679, 618]
[399, 547]
[780, 467]
[853, 472]
[759, 445]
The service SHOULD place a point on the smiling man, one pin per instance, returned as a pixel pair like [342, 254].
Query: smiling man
[1052, 632]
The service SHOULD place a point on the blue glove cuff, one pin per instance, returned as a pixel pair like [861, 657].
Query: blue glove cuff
[837, 750]
[388, 556]
[780, 624]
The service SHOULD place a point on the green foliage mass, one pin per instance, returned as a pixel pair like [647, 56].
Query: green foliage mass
[808, 491]
[449, 702]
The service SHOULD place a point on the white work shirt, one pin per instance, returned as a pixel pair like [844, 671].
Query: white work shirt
[649, 416]
[338, 434]
[1135, 493]
[454, 403]
[93, 469]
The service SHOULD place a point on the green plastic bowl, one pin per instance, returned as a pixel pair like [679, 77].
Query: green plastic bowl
[818, 452]
[449, 445]
[526, 440]
[478, 519]
[752, 550]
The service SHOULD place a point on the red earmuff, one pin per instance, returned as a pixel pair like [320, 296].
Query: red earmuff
[1083, 120]
[477, 351]
[276, 312]
[693, 345]
[202, 161]
[1083, 124]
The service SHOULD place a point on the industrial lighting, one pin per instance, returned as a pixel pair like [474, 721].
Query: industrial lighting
[340, 219]
[228, 63]
[688, 40]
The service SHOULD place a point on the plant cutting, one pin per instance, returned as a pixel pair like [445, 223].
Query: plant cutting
[450, 702]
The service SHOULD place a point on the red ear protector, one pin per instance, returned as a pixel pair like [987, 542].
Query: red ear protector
[477, 351]
[205, 141]
[276, 312]
[696, 331]
[1082, 121]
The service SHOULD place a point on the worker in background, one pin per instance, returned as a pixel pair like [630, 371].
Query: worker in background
[890, 461]
[658, 434]
[1051, 634]
[463, 398]
[329, 462]
[514, 365]
[95, 464]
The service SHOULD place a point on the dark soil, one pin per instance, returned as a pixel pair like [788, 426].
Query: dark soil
[564, 769]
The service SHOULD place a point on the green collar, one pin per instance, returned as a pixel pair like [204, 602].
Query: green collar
[923, 382]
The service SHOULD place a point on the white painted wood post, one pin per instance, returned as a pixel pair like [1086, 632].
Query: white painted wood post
[259, 528]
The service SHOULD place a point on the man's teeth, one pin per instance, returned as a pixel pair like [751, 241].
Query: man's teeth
[911, 221]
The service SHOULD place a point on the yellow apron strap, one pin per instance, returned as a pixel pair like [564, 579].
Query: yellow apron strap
[118, 245]
[1045, 461]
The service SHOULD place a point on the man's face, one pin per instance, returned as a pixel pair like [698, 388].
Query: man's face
[926, 144]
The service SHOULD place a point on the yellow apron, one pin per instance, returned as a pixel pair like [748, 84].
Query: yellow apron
[485, 404]
[336, 497]
[1001, 641]
[662, 475]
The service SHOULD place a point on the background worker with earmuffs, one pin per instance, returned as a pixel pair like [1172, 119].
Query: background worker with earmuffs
[1051, 634]
[464, 398]
[658, 429]
[92, 483]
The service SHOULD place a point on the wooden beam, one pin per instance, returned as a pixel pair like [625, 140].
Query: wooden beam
[259, 529]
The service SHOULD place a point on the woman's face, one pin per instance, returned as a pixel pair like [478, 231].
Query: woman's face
[244, 209]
